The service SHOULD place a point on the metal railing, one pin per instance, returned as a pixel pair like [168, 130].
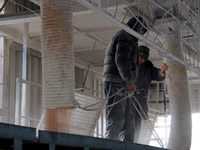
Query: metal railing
[23, 103]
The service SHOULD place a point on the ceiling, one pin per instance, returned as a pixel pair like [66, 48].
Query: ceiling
[92, 31]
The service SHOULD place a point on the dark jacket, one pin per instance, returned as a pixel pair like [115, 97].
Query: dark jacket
[147, 73]
[121, 58]
[120, 63]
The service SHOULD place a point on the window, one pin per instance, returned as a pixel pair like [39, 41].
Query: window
[79, 77]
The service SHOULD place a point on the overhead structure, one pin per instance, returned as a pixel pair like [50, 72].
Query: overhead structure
[172, 30]
[159, 17]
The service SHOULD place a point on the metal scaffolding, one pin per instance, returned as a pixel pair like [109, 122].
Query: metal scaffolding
[160, 17]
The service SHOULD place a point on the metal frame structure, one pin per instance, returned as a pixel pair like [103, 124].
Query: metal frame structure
[112, 18]
[25, 138]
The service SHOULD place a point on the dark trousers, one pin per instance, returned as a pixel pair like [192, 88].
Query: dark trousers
[122, 121]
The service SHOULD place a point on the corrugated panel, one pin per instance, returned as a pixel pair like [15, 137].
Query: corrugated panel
[89, 117]
[146, 132]
[34, 27]
[90, 21]
[82, 42]
[83, 122]
[105, 35]
[98, 56]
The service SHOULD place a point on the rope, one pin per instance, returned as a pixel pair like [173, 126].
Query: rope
[100, 101]
[150, 126]
[89, 64]
[107, 105]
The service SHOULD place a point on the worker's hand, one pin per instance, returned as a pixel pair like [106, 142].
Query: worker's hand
[163, 69]
[131, 88]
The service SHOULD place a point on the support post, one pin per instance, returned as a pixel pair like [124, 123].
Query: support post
[24, 72]
[86, 148]
[52, 146]
[1, 71]
[7, 102]
[17, 144]
[198, 49]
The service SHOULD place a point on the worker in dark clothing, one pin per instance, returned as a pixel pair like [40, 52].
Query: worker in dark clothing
[147, 73]
[120, 72]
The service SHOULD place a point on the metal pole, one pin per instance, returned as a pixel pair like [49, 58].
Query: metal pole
[198, 49]
[24, 70]
[25, 50]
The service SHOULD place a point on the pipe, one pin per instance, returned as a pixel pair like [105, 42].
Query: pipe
[57, 54]
[179, 97]
[57, 64]
[24, 100]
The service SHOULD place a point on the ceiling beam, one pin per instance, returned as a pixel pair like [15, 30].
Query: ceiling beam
[18, 19]
[18, 37]
[32, 17]
[100, 4]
